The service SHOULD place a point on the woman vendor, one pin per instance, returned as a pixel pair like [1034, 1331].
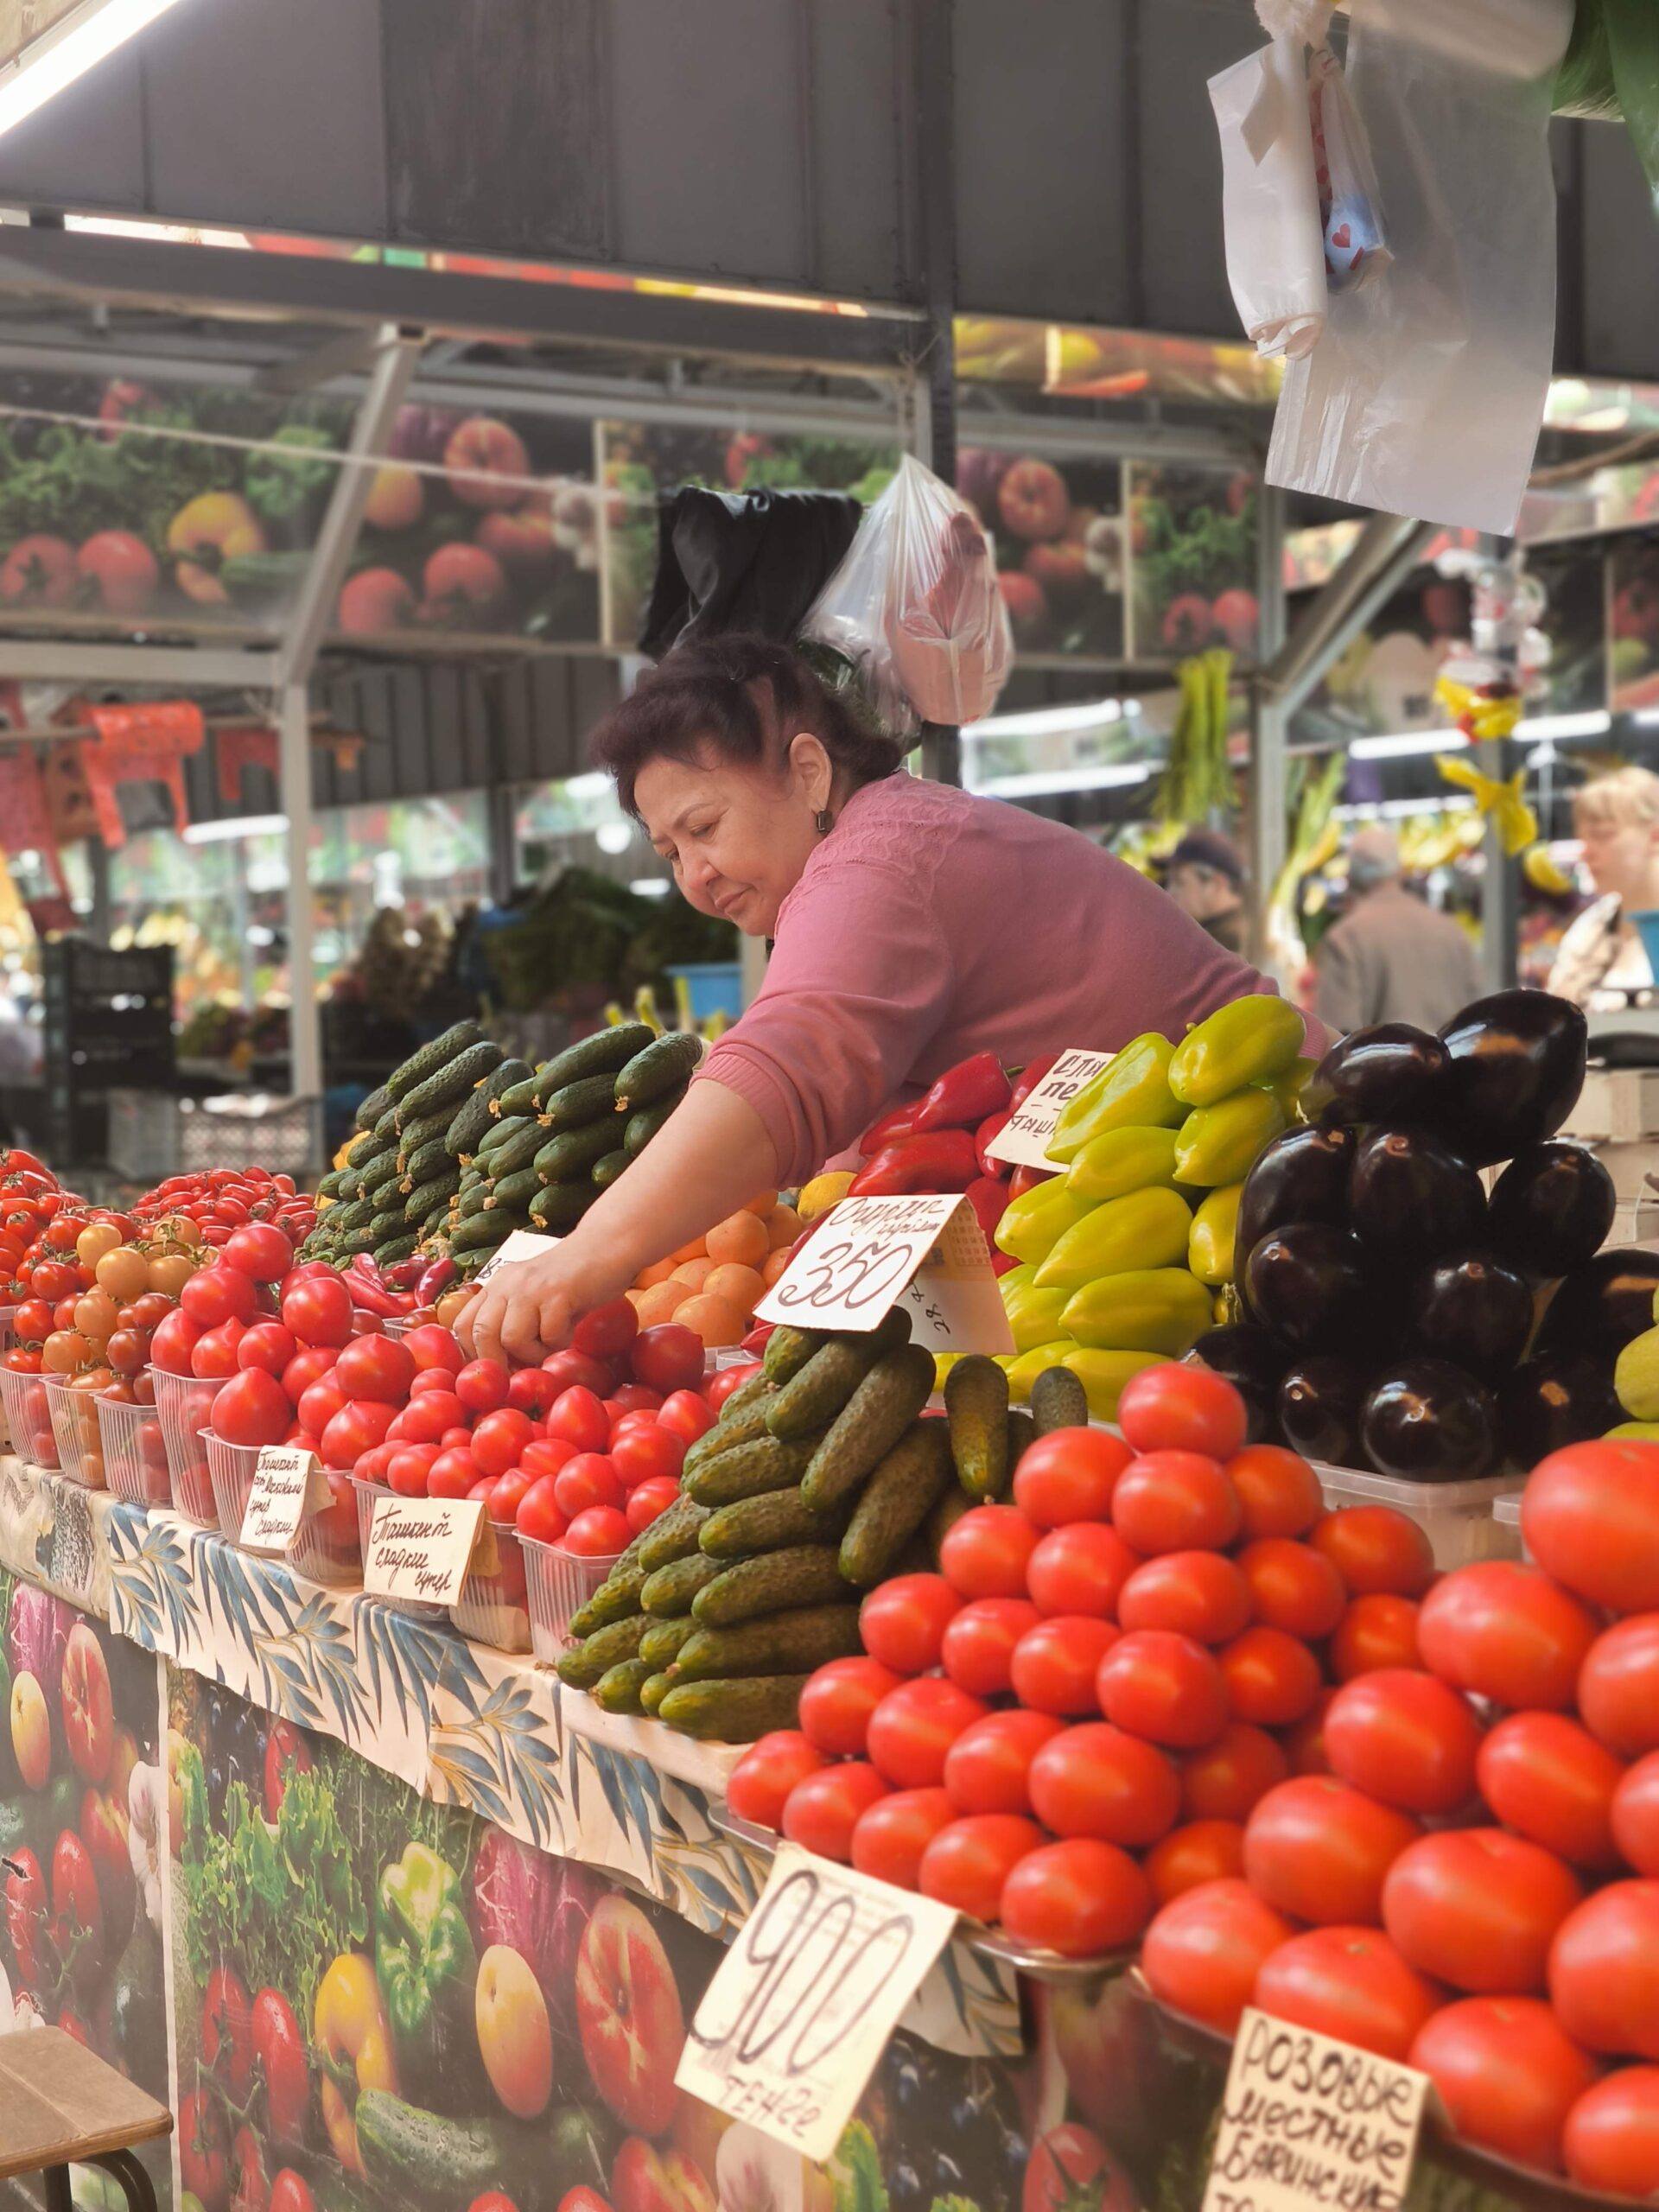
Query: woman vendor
[914, 924]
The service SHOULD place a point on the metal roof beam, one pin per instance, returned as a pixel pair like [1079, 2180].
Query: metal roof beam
[207, 668]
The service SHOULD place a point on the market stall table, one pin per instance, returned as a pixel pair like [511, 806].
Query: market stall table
[60, 2105]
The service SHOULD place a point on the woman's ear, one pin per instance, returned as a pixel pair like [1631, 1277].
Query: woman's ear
[811, 769]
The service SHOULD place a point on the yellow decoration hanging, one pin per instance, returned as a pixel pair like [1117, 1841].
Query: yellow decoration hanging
[1497, 798]
[1479, 714]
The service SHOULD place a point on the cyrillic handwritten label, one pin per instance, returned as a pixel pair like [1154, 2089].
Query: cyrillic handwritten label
[801, 2007]
[1024, 1136]
[288, 1483]
[1309, 2122]
[519, 1244]
[868, 1254]
[423, 1546]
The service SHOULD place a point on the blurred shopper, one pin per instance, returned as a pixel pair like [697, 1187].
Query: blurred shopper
[1391, 957]
[1205, 878]
[1602, 959]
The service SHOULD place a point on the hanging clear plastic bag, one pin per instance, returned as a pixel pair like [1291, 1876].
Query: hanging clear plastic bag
[915, 606]
[1350, 208]
[1270, 208]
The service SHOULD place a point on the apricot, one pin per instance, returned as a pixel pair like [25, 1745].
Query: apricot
[738, 1286]
[741, 1238]
[713, 1319]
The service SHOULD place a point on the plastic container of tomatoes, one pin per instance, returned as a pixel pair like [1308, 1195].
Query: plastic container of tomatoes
[1506, 1511]
[369, 1495]
[184, 1405]
[74, 1424]
[1460, 1519]
[135, 1452]
[327, 1546]
[559, 1582]
[29, 1417]
[493, 1608]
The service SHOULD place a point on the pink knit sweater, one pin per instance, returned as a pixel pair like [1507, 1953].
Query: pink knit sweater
[930, 925]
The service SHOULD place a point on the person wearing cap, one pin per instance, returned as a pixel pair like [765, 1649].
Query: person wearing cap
[1205, 878]
[1391, 957]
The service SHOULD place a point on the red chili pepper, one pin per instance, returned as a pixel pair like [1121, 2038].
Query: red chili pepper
[437, 1277]
[986, 1134]
[940, 1162]
[898, 1121]
[755, 1342]
[1028, 1079]
[404, 1274]
[368, 1292]
[1026, 1179]
[965, 1095]
[989, 1200]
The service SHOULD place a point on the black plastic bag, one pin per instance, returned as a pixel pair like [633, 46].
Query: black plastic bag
[743, 560]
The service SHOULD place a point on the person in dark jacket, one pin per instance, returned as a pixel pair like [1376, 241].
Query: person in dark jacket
[1205, 878]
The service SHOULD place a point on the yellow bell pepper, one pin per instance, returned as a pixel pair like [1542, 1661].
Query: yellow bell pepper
[1122, 1160]
[1032, 1226]
[1035, 1318]
[1219, 1144]
[1017, 1281]
[1240, 1043]
[1143, 1309]
[1103, 1374]
[353, 2039]
[1635, 1376]
[1147, 1228]
[1288, 1087]
[1131, 1091]
[1024, 1371]
[1214, 1225]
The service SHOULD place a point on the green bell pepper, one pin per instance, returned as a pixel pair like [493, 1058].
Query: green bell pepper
[1147, 1228]
[1032, 1225]
[1143, 1309]
[1122, 1160]
[1289, 1087]
[424, 1959]
[1103, 1374]
[1250, 1040]
[1219, 1144]
[1214, 1227]
[1132, 1090]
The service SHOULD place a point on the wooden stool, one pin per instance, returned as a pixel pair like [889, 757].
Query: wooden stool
[59, 2103]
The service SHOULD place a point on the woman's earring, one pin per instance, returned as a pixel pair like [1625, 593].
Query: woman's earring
[823, 822]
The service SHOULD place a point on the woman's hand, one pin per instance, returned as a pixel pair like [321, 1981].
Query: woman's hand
[529, 1308]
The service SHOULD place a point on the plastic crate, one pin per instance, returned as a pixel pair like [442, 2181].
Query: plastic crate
[493, 1608]
[135, 1452]
[28, 1418]
[316, 1551]
[369, 1495]
[558, 1584]
[185, 1405]
[1506, 1511]
[1457, 1517]
[74, 1424]
[152, 1133]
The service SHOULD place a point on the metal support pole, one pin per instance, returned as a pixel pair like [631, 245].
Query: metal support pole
[1268, 721]
[1500, 624]
[304, 1023]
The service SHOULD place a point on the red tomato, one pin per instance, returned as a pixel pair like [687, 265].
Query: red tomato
[1198, 1594]
[1226, 1779]
[432, 1345]
[1318, 1849]
[1278, 1492]
[822, 1809]
[573, 1370]
[509, 1491]
[1505, 1633]
[1077, 1570]
[604, 1332]
[1272, 1678]
[407, 1469]
[1635, 1814]
[319, 1403]
[987, 1769]
[546, 1455]
[1590, 1518]
[1175, 1502]
[357, 1427]
[1188, 1856]
[903, 1622]
[1376, 1631]
[580, 1419]
[720, 1386]
[290, 2192]
[1547, 1778]
[1054, 1664]
[915, 1726]
[1201, 1954]
[1406, 1739]
[170, 1348]
[1080, 1898]
[1292, 1588]
[213, 1354]
[1478, 1908]
[370, 1466]
[530, 1391]
[1603, 1970]
[1508, 2074]
[1618, 1687]
[433, 1378]
[649, 1453]
[1351, 1983]
[1069, 1475]
[634, 1398]
[221, 1292]
[251, 1408]
[600, 1533]
[538, 1514]
[261, 1252]
[647, 1499]
[1170, 1407]
[837, 1702]
[977, 1648]
[304, 1370]
[430, 1413]
[687, 1413]
[985, 1552]
[1375, 1550]
[967, 1863]
[499, 1438]
[589, 1479]
[375, 1367]
[668, 1357]
[1612, 2140]
[768, 1770]
[891, 1835]
[481, 1386]
[1094, 1780]
[318, 1309]
[267, 1344]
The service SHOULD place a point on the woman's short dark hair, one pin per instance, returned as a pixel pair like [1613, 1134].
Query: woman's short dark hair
[746, 698]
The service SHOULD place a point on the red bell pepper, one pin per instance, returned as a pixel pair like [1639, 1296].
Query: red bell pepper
[942, 1161]
[1026, 1179]
[758, 1338]
[898, 1121]
[965, 1095]
[986, 1134]
[1028, 1079]
[989, 1200]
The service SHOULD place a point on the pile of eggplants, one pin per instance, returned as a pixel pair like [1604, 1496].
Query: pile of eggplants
[1394, 1316]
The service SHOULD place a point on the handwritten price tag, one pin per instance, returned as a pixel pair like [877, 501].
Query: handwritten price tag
[423, 1546]
[869, 1253]
[519, 1244]
[288, 1483]
[1024, 1136]
[1308, 2121]
[790, 2029]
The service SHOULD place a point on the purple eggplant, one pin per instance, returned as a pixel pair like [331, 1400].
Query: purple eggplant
[1518, 1063]
[1551, 1208]
[1602, 1305]
[1471, 1309]
[1319, 1399]
[1412, 1197]
[1557, 1399]
[1391, 1072]
[1425, 1421]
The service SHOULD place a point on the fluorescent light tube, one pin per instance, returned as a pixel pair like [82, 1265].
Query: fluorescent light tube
[78, 42]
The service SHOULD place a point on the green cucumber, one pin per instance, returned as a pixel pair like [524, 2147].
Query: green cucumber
[381, 1169]
[385, 1226]
[385, 1129]
[670, 1591]
[813, 1396]
[779, 1643]
[477, 1114]
[618, 1688]
[575, 1104]
[771, 1523]
[518, 1102]
[1057, 1399]
[573, 1152]
[602, 1053]
[484, 1231]
[652, 1692]
[748, 1470]
[414, 1072]
[732, 1711]
[617, 1598]
[370, 1109]
[421, 1202]
[329, 1185]
[516, 1151]
[401, 1246]
[645, 1122]
[606, 1648]
[504, 1132]
[976, 1403]
[513, 1192]
[450, 1085]
[788, 1351]
[431, 1127]
[431, 1160]
[663, 1065]
[425, 2162]
[664, 1638]
[560, 1206]
[671, 1536]
[868, 1426]
[896, 1502]
[773, 1582]
[607, 1170]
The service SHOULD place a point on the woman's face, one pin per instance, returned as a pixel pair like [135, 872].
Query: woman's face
[738, 837]
[1620, 855]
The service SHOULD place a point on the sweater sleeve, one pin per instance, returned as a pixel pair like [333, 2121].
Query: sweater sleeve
[860, 980]
[1339, 995]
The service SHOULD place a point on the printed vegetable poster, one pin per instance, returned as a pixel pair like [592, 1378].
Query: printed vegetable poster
[1192, 556]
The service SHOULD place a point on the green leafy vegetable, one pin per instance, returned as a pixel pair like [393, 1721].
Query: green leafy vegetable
[278, 488]
[855, 2170]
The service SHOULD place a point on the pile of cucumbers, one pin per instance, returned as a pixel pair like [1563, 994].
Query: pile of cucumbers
[462, 1145]
[822, 1477]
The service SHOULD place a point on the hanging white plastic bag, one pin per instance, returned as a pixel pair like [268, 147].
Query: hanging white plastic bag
[1350, 208]
[1270, 207]
[1425, 394]
[915, 606]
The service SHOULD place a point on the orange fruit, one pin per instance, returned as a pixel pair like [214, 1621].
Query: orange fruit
[741, 1238]
[762, 1205]
[692, 1273]
[713, 1319]
[776, 1262]
[658, 1271]
[739, 1286]
[633, 1296]
[656, 1305]
[784, 1228]
[696, 1250]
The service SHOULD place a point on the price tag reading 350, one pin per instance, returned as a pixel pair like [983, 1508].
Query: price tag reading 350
[790, 2029]
[868, 1254]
